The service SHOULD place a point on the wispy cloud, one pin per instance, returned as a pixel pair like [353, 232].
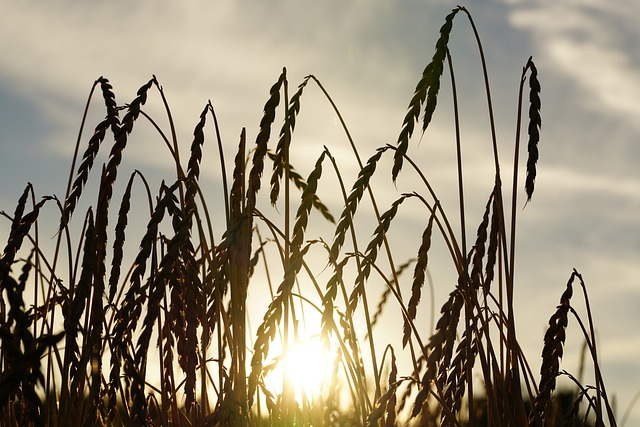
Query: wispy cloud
[593, 44]
[229, 51]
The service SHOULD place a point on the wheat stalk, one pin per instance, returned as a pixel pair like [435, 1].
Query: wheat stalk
[111, 121]
[553, 351]
[439, 346]
[266, 331]
[418, 279]
[426, 89]
[535, 122]
[261, 141]
[371, 253]
[285, 135]
[357, 191]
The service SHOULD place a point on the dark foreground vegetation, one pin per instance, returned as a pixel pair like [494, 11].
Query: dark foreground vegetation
[91, 336]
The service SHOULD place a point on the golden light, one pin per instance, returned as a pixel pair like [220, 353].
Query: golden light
[307, 366]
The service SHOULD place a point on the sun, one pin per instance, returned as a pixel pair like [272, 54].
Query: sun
[307, 365]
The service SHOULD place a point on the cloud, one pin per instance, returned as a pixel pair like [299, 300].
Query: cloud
[568, 181]
[593, 44]
[231, 52]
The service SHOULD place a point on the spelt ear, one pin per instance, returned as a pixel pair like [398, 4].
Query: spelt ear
[266, 330]
[19, 230]
[111, 121]
[126, 318]
[357, 191]
[386, 404]
[261, 141]
[455, 380]
[118, 244]
[285, 133]
[19, 211]
[535, 122]
[418, 279]
[371, 253]
[440, 347]
[78, 304]
[427, 88]
[553, 351]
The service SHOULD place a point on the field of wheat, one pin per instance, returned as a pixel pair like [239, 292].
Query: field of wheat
[128, 327]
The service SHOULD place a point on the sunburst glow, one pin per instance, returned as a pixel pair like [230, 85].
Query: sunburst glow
[306, 365]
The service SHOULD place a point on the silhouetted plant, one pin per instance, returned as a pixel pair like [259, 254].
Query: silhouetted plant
[186, 289]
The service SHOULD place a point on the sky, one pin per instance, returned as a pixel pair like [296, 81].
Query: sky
[369, 54]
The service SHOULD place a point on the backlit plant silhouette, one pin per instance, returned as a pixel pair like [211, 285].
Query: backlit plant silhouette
[80, 326]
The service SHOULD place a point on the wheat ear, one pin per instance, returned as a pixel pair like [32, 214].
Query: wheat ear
[418, 279]
[552, 352]
[285, 135]
[535, 122]
[267, 329]
[111, 121]
[426, 89]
